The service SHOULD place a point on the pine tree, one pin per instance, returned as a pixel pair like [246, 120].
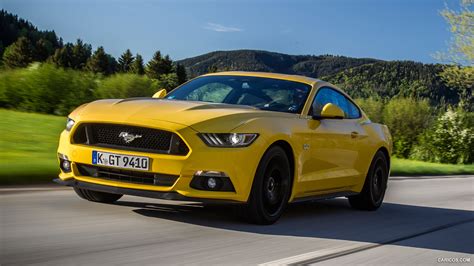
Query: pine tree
[63, 57]
[81, 52]
[158, 66]
[137, 65]
[181, 73]
[125, 62]
[113, 65]
[19, 54]
[101, 62]
[43, 50]
[167, 65]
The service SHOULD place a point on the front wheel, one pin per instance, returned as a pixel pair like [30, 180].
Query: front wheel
[97, 196]
[270, 189]
[373, 192]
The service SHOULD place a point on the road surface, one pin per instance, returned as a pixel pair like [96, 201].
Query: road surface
[424, 221]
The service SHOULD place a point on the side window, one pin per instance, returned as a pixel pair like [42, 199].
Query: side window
[353, 111]
[328, 95]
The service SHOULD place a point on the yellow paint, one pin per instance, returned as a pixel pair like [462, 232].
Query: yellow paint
[326, 156]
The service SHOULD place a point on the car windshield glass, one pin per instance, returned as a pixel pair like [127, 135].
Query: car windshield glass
[262, 93]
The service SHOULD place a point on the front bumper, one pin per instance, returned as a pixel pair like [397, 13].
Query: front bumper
[239, 164]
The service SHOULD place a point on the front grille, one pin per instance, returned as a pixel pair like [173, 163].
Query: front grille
[114, 136]
[127, 176]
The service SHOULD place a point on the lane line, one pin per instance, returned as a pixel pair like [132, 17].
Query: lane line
[398, 178]
[331, 253]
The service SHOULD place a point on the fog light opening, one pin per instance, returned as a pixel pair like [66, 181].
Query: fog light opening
[211, 183]
[211, 180]
[64, 163]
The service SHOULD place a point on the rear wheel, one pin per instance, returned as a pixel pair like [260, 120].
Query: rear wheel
[373, 192]
[97, 196]
[271, 188]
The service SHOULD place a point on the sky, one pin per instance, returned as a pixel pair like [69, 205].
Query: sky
[382, 29]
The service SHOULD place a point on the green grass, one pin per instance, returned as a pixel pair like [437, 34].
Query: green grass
[402, 167]
[28, 144]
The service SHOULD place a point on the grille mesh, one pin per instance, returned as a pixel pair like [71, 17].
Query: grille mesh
[148, 139]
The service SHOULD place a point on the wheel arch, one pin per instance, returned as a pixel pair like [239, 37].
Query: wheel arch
[385, 152]
[286, 146]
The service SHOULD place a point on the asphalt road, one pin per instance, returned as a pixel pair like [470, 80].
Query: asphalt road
[424, 221]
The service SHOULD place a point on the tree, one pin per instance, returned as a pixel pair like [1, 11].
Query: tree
[113, 65]
[372, 107]
[168, 81]
[406, 118]
[43, 50]
[19, 54]
[460, 55]
[449, 140]
[63, 57]
[125, 62]
[212, 69]
[72, 56]
[101, 62]
[137, 65]
[81, 52]
[158, 66]
[181, 73]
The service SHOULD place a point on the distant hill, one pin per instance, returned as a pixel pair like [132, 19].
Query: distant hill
[254, 60]
[360, 77]
[387, 79]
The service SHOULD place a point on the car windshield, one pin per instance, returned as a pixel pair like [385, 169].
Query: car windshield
[262, 93]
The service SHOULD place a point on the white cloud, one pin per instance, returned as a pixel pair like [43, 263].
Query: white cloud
[221, 28]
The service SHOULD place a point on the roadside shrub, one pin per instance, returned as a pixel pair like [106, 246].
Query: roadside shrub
[168, 81]
[449, 140]
[44, 88]
[126, 86]
[11, 93]
[407, 119]
[372, 108]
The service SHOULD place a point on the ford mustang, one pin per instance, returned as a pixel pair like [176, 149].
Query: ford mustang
[262, 140]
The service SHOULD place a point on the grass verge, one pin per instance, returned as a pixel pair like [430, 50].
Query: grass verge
[28, 144]
[402, 167]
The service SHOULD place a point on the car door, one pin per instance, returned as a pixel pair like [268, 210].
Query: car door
[335, 144]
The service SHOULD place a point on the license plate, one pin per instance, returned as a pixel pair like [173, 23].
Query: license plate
[120, 160]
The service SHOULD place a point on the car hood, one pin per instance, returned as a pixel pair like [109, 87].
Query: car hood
[201, 116]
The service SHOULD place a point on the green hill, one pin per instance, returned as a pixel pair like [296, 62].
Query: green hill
[361, 77]
[254, 60]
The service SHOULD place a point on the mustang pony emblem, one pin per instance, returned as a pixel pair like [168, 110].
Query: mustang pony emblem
[127, 137]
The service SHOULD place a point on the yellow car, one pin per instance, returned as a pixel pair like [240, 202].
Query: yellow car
[259, 139]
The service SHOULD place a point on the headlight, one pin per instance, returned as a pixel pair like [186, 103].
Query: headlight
[69, 124]
[228, 140]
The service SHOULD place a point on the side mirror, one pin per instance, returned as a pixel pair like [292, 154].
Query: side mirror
[159, 94]
[331, 111]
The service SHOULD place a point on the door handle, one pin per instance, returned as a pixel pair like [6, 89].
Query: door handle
[354, 134]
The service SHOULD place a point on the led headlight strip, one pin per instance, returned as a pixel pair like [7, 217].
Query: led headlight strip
[228, 140]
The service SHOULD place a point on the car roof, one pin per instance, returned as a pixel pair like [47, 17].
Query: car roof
[296, 78]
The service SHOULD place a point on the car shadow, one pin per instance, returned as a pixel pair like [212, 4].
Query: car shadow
[330, 219]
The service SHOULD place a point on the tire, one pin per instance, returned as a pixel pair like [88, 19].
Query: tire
[373, 192]
[97, 196]
[270, 189]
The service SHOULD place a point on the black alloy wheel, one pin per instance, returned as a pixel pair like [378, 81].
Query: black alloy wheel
[373, 192]
[271, 188]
